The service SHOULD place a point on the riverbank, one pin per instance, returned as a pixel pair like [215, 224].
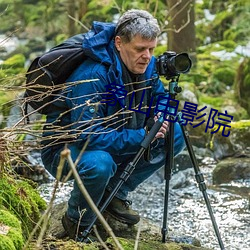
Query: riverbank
[188, 216]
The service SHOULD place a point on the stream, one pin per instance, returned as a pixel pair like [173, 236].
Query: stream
[187, 212]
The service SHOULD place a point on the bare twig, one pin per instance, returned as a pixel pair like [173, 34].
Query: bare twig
[77, 21]
[137, 236]
[99, 238]
[46, 216]
[67, 155]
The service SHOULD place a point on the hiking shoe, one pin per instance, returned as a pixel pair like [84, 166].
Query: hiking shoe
[75, 231]
[121, 211]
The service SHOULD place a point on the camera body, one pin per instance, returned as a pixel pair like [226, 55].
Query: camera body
[171, 65]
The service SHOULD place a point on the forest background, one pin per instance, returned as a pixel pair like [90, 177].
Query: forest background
[214, 33]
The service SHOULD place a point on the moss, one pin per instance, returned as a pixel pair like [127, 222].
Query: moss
[128, 244]
[215, 102]
[16, 237]
[9, 219]
[22, 200]
[6, 96]
[66, 245]
[13, 71]
[224, 102]
[225, 75]
[16, 61]
[13, 239]
[241, 124]
[6, 243]
[242, 84]
[228, 45]
[160, 49]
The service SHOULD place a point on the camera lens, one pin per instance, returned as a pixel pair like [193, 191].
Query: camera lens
[182, 63]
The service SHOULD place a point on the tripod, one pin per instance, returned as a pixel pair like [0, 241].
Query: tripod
[173, 90]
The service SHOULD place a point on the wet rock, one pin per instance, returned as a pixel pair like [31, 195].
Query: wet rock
[181, 179]
[231, 169]
[149, 233]
[30, 167]
[237, 143]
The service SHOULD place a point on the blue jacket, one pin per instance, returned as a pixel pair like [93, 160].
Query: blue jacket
[89, 119]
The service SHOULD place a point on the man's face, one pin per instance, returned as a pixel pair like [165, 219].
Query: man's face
[137, 53]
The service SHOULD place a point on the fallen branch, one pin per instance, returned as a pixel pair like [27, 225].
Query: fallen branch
[65, 154]
[46, 216]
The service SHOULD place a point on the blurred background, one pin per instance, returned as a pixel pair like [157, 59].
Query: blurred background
[216, 35]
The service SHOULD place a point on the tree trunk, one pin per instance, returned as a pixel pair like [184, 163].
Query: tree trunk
[71, 6]
[181, 27]
[83, 7]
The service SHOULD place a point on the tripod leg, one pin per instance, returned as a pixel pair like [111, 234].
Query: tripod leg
[200, 180]
[127, 171]
[168, 173]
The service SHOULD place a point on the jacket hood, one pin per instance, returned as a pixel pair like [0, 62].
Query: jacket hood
[98, 42]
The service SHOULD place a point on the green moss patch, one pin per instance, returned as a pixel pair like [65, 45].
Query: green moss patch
[10, 231]
[128, 244]
[22, 200]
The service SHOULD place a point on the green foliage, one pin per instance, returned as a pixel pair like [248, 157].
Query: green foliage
[16, 61]
[128, 244]
[224, 102]
[215, 102]
[221, 23]
[48, 20]
[242, 84]
[229, 23]
[13, 238]
[22, 200]
[12, 67]
[224, 75]
[60, 38]
[6, 243]
[5, 97]
[216, 71]
[160, 50]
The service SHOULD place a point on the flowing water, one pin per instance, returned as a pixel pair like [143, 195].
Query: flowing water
[187, 212]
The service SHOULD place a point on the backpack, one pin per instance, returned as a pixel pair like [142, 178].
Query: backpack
[47, 74]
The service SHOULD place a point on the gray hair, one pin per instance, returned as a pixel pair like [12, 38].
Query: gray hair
[137, 22]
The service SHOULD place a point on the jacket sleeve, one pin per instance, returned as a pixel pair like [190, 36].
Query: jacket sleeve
[89, 118]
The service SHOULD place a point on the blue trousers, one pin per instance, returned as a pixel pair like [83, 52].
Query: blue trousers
[100, 170]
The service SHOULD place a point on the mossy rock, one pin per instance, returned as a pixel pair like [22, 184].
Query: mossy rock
[13, 70]
[233, 145]
[231, 169]
[11, 237]
[224, 102]
[242, 84]
[150, 235]
[225, 75]
[17, 61]
[128, 244]
[21, 199]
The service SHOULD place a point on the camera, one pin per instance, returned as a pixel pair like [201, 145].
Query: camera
[171, 65]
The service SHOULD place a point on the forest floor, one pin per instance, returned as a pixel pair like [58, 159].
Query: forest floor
[149, 238]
